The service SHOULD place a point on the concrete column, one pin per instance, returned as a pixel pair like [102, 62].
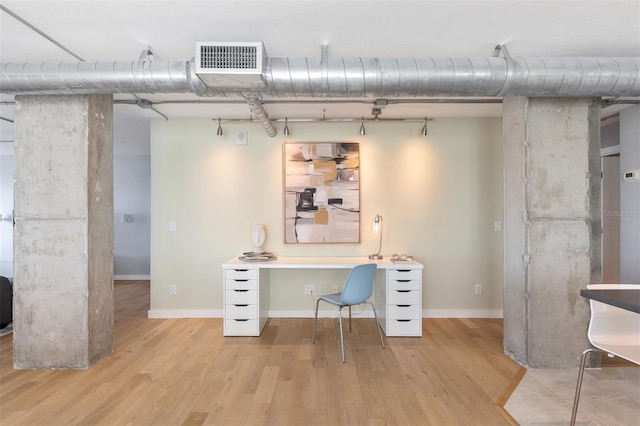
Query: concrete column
[551, 225]
[63, 240]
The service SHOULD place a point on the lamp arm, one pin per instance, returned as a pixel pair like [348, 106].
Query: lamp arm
[380, 246]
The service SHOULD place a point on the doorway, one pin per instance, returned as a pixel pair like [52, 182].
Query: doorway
[611, 218]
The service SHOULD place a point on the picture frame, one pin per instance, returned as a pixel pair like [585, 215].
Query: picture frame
[321, 192]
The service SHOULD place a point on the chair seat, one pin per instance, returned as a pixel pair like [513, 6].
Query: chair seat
[623, 346]
[334, 299]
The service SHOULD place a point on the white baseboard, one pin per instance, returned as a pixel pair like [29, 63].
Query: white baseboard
[356, 313]
[461, 313]
[427, 313]
[215, 313]
[184, 313]
[132, 277]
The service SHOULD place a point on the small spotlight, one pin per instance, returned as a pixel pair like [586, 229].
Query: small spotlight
[219, 132]
[362, 130]
[286, 127]
[424, 130]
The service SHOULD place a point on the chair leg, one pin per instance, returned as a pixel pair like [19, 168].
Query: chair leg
[341, 338]
[315, 322]
[375, 317]
[576, 398]
[349, 318]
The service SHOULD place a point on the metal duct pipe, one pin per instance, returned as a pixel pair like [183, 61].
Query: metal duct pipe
[65, 78]
[489, 76]
[345, 77]
[342, 77]
[261, 114]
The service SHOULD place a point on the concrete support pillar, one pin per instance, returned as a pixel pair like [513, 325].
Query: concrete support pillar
[63, 240]
[552, 226]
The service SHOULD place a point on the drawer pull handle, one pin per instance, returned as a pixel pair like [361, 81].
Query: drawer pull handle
[241, 270]
[241, 281]
[403, 270]
[403, 320]
[244, 306]
[403, 306]
[403, 291]
[241, 291]
[242, 320]
[403, 281]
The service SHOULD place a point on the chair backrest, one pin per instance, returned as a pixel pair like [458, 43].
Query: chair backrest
[359, 284]
[613, 329]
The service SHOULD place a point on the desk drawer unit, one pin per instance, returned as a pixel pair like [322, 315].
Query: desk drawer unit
[402, 302]
[245, 303]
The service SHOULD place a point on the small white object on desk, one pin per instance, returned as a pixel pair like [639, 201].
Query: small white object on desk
[258, 235]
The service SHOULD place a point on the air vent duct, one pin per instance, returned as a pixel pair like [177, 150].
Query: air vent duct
[234, 65]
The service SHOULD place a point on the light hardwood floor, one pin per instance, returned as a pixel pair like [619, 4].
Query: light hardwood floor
[182, 371]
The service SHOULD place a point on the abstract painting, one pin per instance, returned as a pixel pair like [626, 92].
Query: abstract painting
[322, 192]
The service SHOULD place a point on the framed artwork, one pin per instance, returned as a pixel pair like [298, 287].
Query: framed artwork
[321, 192]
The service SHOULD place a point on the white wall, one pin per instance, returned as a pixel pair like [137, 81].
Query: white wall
[131, 196]
[439, 197]
[6, 209]
[610, 135]
[131, 176]
[630, 196]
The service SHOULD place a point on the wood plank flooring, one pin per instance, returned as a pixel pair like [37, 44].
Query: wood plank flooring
[183, 372]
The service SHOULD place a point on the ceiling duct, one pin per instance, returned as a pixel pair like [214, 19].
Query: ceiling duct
[243, 70]
[339, 77]
[234, 66]
[443, 76]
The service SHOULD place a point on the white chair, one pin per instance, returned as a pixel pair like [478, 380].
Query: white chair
[612, 330]
[357, 290]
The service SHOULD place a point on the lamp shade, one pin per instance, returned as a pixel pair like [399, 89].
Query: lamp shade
[377, 229]
[377, 224]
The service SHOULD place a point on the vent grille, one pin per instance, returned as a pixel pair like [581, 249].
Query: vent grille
[228, 57]
[231, 66]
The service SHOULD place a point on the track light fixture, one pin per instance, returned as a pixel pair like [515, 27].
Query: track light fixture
[286, 131]
[286, 127]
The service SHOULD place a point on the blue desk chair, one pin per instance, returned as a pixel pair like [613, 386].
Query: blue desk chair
[357, 290]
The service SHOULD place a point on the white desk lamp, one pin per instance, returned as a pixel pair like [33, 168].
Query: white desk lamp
[377, 229]
[258, 236]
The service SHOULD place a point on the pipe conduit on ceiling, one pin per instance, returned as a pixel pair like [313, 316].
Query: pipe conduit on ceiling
[343, 78]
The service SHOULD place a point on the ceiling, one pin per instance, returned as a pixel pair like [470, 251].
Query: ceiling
[121, 30]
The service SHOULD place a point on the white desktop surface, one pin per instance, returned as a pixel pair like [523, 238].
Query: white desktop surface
[246, 292]
[319, 262]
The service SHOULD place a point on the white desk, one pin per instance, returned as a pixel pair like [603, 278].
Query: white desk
[246, 292]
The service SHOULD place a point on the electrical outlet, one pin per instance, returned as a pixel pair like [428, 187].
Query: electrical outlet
[173, 289]
[478, 288]
[308, 289]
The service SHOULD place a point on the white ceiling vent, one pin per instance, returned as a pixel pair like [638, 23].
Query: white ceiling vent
[231, 65]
